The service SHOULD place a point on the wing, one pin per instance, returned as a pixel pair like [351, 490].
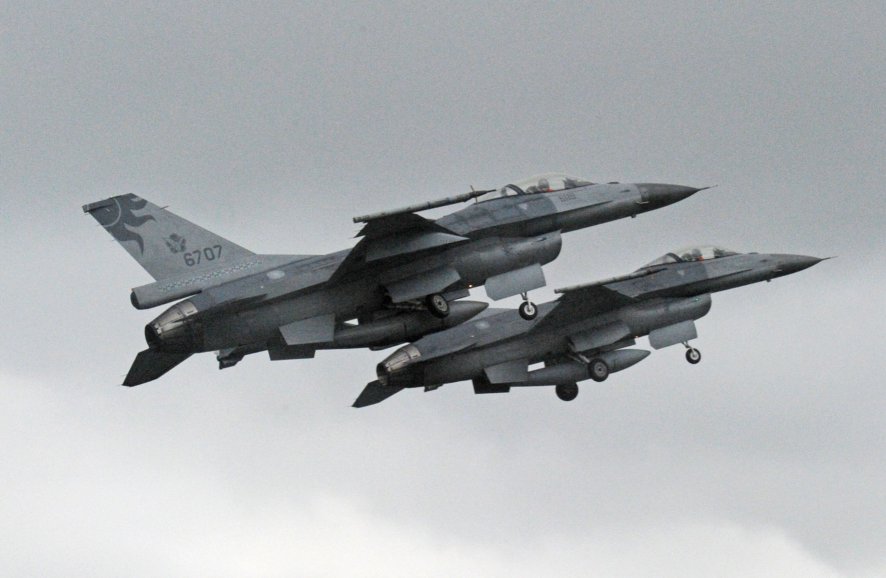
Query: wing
[582, 301]
[401, 235]
[394, 239]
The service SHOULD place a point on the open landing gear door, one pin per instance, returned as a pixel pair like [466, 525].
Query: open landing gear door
[515, 282]
[672, 334]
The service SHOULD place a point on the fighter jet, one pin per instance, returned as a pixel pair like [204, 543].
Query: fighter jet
[585, 333]
[397, 284]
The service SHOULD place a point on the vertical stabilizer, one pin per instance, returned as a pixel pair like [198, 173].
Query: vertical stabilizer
[162, 242]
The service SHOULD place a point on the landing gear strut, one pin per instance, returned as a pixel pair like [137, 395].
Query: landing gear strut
[437, 305]
[693, 355]
[527, 309]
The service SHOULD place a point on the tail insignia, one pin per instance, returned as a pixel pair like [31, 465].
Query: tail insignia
[119, 218]
[176, 243]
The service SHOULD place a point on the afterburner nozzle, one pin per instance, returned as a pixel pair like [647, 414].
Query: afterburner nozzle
[175, 329]
[397, 361]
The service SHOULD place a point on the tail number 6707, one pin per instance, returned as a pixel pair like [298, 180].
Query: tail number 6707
[206, 254]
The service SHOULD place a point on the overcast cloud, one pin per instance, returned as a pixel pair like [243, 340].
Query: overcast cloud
[274, 123]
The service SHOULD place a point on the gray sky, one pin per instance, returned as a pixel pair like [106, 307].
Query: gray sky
[274, 124]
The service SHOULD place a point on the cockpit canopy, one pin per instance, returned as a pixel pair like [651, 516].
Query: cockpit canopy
[698, 253]
[544, 183]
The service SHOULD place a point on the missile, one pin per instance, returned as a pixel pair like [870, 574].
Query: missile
[423, 206]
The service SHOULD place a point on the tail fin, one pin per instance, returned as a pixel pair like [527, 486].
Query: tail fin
[162, 242]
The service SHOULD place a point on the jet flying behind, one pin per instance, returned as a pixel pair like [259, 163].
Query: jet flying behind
[400, 282]
[586, 333]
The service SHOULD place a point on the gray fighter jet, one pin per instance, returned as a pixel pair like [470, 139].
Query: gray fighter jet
[584, 334]
[398, 282]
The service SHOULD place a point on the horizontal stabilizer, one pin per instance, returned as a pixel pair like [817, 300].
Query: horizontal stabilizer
[375, 393]
[151, 364]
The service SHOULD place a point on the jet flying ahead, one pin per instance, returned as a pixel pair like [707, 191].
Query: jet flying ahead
[584, 334]
[400, 282]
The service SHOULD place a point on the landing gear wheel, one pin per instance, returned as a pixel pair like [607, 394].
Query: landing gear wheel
[528, 310]
[567, 391]
[437, 305]
[693, 355]
[598, 370]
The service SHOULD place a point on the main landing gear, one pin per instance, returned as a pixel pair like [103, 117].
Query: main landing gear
[598, 370]
[528, 310]
[437, 305]
[567, 391]
[693, 355]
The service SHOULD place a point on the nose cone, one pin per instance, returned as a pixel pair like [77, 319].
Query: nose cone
[788, 264]
[659, 195]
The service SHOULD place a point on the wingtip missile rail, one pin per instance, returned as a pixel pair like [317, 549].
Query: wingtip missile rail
[423, 206]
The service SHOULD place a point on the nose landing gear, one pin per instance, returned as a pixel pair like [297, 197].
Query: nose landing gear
[693, 355]
[527, 309]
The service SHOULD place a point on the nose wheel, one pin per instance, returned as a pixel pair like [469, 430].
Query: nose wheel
[527, 309]
[693, 355]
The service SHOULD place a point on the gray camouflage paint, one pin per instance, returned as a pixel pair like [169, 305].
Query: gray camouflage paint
[239, 301]
[653, 298]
